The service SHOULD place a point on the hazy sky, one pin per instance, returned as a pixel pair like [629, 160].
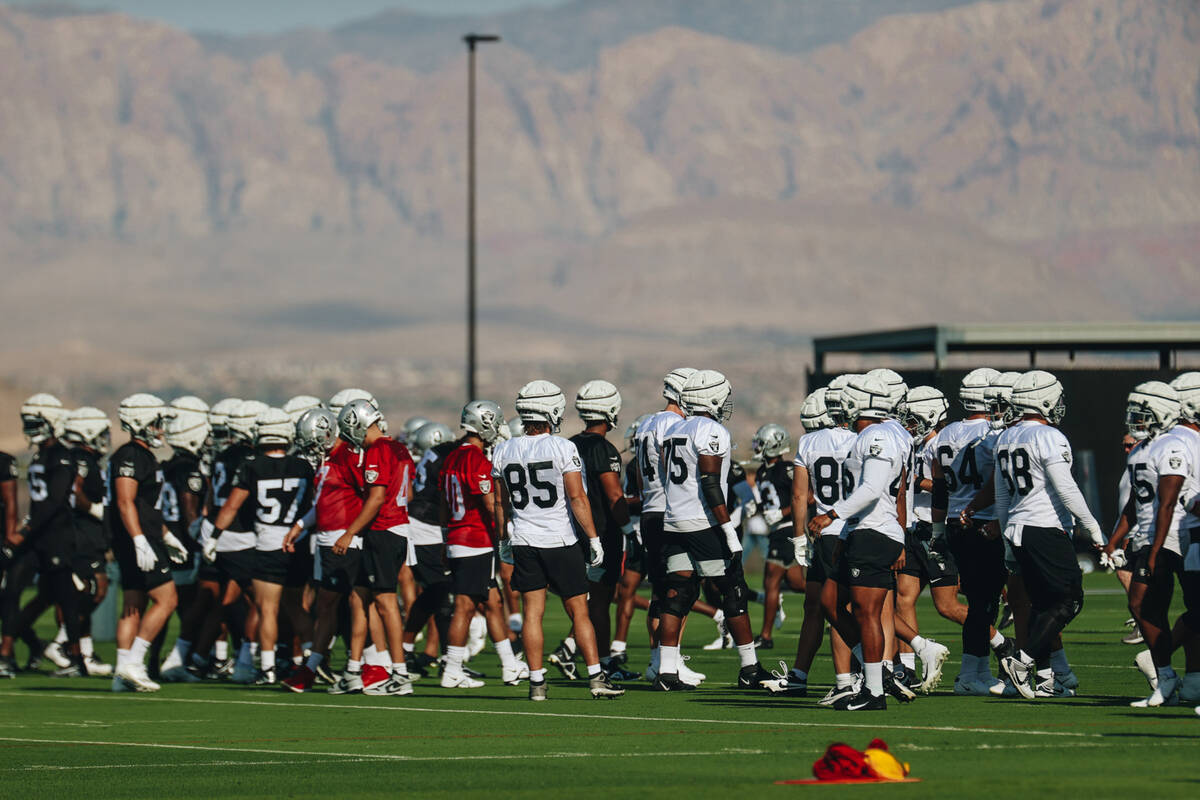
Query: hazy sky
[246, 16]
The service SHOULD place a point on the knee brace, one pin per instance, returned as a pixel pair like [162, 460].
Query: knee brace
[681, 593]
[735, 595]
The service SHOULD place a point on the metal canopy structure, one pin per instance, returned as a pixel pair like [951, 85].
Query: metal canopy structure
[1163, 338]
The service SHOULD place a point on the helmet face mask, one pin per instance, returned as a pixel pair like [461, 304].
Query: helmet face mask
[541, 402]
[316, 433]
[88, 427]
[1152, 408]
[42, 416]
[924, 409]
[770, 441]
[480, 417]
[1187, 386]
[144, 416]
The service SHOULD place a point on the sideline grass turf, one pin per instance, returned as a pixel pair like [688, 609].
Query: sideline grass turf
[73, 738]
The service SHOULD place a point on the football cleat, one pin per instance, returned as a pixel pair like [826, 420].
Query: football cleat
[1165, 694]
[1019, 672]
[564, 658]
[420, 664]
[933, 657]
[764, 644]
[669, 682]
[752, 676]
[838, 693]
[1006, 618]
[97, 668]
[178, 674]
[54, 652]
[897, 689]
[266, 677]
[348, 683]
[8, 667]
[512, 676]
[300, 681]
[862, 701]
[373, 674]
[1133, 637]
[119, 684]
[1145, 662]
[601, 686]
[1003, 689]
[537, 691]
[1052, 687]
[72, 670]
[623, 674]
[723, 642]
[323, 675]
[463, 681]
[396, 685]
[1005, 648]
[135, 676]
[689, 675]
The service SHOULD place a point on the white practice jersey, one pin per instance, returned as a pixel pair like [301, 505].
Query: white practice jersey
[922, 503]
[1190, 527]
[678, 465]
[532, 468]
[1023, 452]
[955, 449]
[1135, 464]
[877, 443]
[822, 453]
[648, 445]
[1166, 454]
[901, 433]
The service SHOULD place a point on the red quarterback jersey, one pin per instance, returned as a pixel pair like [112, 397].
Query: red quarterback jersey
[466, 478]
[387, 463]
[339, 502]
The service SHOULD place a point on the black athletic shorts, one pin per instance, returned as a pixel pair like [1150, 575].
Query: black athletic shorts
[608, 571]
[384, 554]
[867, 560]
[91, 544]
[1049, 567]
[473, 576]
[652, 540]
[635, 555]
[980, 561]
[933, 565]
[823, 567]
[300, 566]
[133, 578]
[562, 569]
[430, 569]
[238, 566]
[271, 566]
[779, 546]
[1160, 586]
[704, 552]
[341, 573]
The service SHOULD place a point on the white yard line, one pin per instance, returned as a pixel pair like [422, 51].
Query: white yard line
[541, 714]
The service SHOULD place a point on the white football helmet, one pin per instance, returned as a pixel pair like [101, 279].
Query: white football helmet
[89, 427]
[188, 404]
[296, 406]
[189, 433]
[833, 397]
[895, 384]
[770, 440]
[998, 398]
[707, 391]
[974, 385]
[541, 401]
[241, 420]
[218, 419]
[356, 419]
[42, 417]
[1187, 386]
[631, 431]
[1152, 408]
[429, 435]
[1039, 392]
[274, 426]
[925, 407]
[814, 414]
[480, 417]
[598, 401]
[339, 400]
[673, 383]
[317, 432]
[144, 416]
[866, 397]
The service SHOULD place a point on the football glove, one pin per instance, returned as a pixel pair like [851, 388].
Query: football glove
[146, 558]
[175, 549]
[732, 541]
[595, 552]
[800, 549]
[773, 516]
[209, 550]
[1112, 561]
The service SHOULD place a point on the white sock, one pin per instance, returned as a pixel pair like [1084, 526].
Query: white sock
[570, 643]
[61, 636]
[399, 668]
[593, 670]
[222, 650]
[455, 656]
[747, 654]
[668, 660]
[86, 646]
[137, 653]
[873, 673]
[268, 660]
[178, 654]
[353, 666]
[917, 643]
[617, 648]
[537, 675]
[909, 660]
[369, 654]
[383, 659]
[843, 679]
[997, 640]
[314, 661]
[1059, 663]
[254, 648]
[122, 658]
[505, 651]
[409, 649]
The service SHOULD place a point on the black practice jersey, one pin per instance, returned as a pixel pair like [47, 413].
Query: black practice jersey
[51, 480]
[774, 483]
[225, 467]
[598, 456]
[427, 493]
[737, 476]
[181, 478]
[134, 461]
[8, 472]
[632, 482]
[87, 468]
[281, 490]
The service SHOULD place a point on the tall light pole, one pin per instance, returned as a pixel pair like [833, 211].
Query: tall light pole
[471, 39]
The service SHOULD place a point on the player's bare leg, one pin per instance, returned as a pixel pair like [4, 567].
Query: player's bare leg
[269, 595]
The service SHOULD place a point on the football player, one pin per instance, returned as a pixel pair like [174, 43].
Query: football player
[773, 480]
[699, 540]
[385, 482]
[8, 554]
[598, 404]
[1036, 498]
[301, 403]
[88, 431]
[874, 536]
[539, 477]
[1187, 628]
[144, 548]
[184, 491]
[635, 561]
[277, 486]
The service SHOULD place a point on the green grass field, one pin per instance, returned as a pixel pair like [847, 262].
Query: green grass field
[76, 739]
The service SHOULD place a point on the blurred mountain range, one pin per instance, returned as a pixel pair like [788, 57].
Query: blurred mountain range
[655, 178]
